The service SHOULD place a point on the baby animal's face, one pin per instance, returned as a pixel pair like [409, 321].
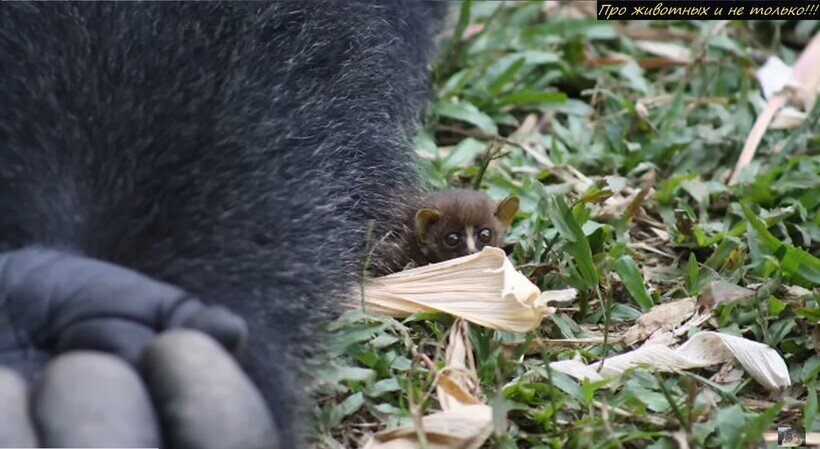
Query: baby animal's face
[455, 223]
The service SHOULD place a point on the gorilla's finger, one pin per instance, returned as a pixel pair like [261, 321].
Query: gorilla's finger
[227, 328]
[25, 361]
[203, 398]
[120, 337]
[16, 428]
[90, 399]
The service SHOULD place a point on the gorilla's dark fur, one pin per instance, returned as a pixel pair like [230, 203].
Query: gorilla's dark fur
[235, 150]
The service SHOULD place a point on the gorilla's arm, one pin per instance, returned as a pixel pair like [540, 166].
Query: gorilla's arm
[235, 150]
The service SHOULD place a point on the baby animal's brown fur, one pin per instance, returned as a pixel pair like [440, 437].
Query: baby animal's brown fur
[442, 226]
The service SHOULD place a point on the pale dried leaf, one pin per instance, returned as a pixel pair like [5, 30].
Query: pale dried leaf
[465, 427]
[706, 348]
[697, 319]
[806, 74]
[774, 76]
[536, 345]
[756, 134]
[558, 297]
[456, 381]
[788, 118]
[668, 50]
[642, 111]
[576, 369]
[721, 291]
[661, 317]
[608, 59]
[681, 438]
[796, 291]
[763, 363]
[636, 30]
[614, 206]
[661, 337]
[807, 70]
[482, 288]
[452, 393]
[528, 125]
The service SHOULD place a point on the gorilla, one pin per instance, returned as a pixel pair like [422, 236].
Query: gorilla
[182, 183]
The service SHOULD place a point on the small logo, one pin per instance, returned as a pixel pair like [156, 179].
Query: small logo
[791, 437]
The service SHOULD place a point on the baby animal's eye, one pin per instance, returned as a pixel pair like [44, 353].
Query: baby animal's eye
[485, 236]
[452, 239]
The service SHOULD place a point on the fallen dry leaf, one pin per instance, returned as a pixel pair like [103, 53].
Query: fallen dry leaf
[805, 75]
[721, 291]
[464, 423]
[774, 76]
[457, 380]
[756, 134]
[663, 317]
[788, 118]
[559, 298]
[706, 348]
[464, 427]
[675, 52]
[637, 30]
[796, 291]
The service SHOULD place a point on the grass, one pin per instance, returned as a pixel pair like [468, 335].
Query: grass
[576, 128]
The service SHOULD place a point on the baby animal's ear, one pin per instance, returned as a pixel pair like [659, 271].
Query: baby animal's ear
[507, 209]
[425, 218]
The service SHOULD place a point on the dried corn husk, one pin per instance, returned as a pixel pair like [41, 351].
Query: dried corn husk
[482, 288]
[706, 348]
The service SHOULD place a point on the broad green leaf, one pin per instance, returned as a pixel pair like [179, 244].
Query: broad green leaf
[810, 409]
[633, 281]
[731, 421]
[463, 154]
[578, 246]
[532, 97]
[383, 386]
[793, 260]
[456, 83]
[348, 407]
[692, 272]
[506, 76]
[466, 112]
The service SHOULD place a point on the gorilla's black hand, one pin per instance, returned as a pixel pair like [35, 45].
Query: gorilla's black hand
[53, 302]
